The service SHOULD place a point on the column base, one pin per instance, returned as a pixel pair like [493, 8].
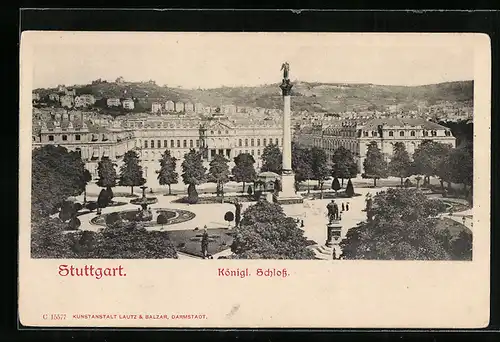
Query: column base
[287, 195]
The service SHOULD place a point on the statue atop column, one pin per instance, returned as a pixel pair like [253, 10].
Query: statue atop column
[286, 69]
[286, 86]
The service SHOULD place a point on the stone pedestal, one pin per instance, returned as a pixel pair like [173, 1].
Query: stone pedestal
[334, 230]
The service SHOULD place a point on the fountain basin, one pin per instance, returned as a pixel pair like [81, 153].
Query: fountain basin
[173, 216]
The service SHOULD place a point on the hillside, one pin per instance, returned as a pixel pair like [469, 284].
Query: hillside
[328, 97]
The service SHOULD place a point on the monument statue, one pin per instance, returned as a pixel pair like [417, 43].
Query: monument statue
[333, 211]
[286, 69]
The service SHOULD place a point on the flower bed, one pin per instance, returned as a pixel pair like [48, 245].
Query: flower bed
[189, 241]
[173, 216]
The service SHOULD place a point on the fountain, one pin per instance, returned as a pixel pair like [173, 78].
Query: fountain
[144, 213]
[147, 216]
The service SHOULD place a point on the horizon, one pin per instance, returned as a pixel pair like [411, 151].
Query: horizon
[260, 85]
[215, 60]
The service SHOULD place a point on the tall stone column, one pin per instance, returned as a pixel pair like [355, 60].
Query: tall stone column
[287, 194]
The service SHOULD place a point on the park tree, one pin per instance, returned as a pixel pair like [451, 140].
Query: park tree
[265, 232]
[428, 157]
[167, 174]
[400, 164]
[319, 166]
[107, 175]
[193, 173]
[343, 164]
[457, 167]
[301, 164]
[243, 170]
[86, 178]
[375, 165]
[56, 175]
[336, 185]
[272, 159]
[131, 171]
[349, 189]
[219, 173]
[403, 227]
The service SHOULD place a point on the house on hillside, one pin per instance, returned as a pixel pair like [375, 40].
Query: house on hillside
[84, 100]
[189, 107]
[113, 102]
[156, 107]
[128, 104]
[199, 108]
[67, 101]
[170, 106]
[54, 97]
[70, 92]
[179, 107]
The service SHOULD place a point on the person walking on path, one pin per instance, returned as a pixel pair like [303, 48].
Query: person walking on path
[343, 206]
[347, 206]
[204, 243]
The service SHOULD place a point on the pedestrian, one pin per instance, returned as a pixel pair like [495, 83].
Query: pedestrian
[463, 220]
[335, 211]
[204, 243]
[347, 206]
[343, 206]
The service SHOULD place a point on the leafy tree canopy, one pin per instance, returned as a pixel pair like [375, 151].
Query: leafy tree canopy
[272, 159]
[375, 165]
[167, 174]
[343, 163]
[265, 232]
[193, 171]
[131, 170]
[107, 174]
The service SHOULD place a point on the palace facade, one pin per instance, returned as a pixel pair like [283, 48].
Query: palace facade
[356, 135]
[150, 136]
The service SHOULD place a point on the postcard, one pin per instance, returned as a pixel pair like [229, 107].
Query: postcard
[254, 180]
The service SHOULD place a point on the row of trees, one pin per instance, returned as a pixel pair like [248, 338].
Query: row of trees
[430, 159]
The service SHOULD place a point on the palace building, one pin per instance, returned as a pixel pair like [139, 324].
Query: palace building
[356, 135]
[151, 135]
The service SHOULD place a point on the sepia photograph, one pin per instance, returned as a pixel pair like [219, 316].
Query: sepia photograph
[187, 179]
[144, 153]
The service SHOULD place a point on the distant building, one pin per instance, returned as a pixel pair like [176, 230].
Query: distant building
[84, 100]
[199, 108]
[170, 106]
[156, 107]
[119, 80]
[179, 107]
[54, 97]
[66, 101]
[128, 104]
[189, 107]
[113, 102]
[70, 92]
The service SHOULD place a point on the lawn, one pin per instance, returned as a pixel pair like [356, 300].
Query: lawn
[189, 241]
[453, 227]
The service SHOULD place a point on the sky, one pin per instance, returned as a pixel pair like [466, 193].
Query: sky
[209, 60]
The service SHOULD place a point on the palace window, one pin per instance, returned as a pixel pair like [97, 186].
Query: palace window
[246, 142]
[447, 133]
[434, 133]
[240, 143]
[159, 143]
[252, 152]
[172, 144]
[219, 132]
[258, 142]
[64, 137]
[165, 143]
[391, 133]
[145, 144]
[251, 142]
[426, 133]
[152, 144]
[197, 143]
[412, 133]
[77, 137]
[276, 141]
[227, 132]
[365, 134]
[191, 143]
[401, 133]
[374, 134]
[264, 142]
[184, 143]
[258, 152]
[178, 143]
[51, 138]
